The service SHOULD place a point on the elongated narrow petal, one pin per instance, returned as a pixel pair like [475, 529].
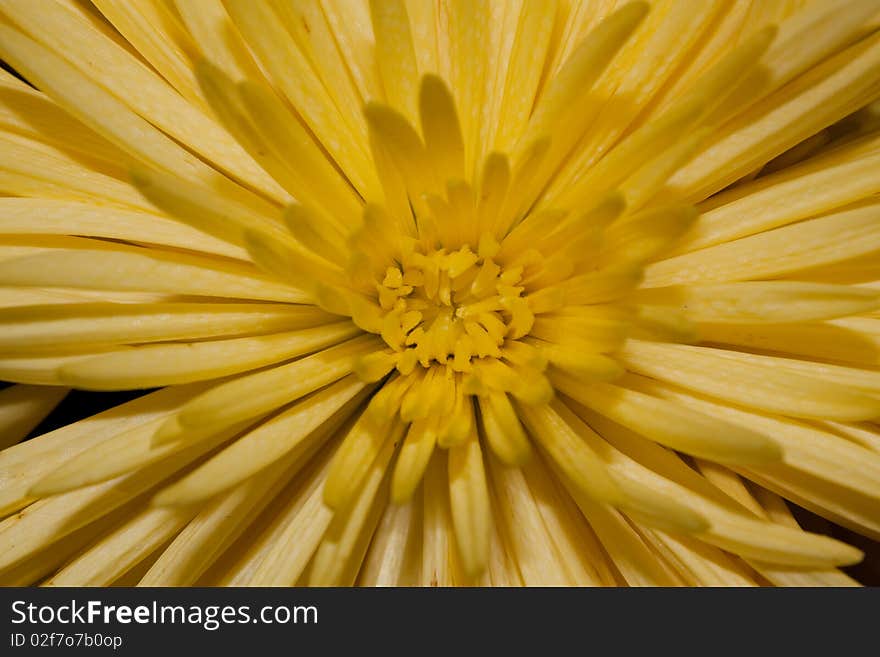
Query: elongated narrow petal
[71, 327]
[758, 302]
[260, 393]
[22, 407]
[299, 428]
[692, 433]
[570, 453]
[173, 364]
[142, 270]
[776, 253]
[719, 374]
[469, 504]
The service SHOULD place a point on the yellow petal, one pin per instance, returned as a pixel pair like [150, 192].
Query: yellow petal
[68, 327]
[298, 531]
[172, 364]
[503, 430]
[96, 108]
[776, 253]
[721, 374]
[136, 85]
[770, 301]
[147, 270]
[121, 550]
[671, 425]
[823, 183]
[342, 549]
[354, 458]
[854, 340]
[469, 504]
[569, 452]
[87, 219]
[412, 460]
[395, 54]
[128, 451]
[257, 394]
[292, 436]
[23, 407]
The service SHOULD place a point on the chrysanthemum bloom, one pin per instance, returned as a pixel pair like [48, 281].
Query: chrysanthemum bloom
[457, 292]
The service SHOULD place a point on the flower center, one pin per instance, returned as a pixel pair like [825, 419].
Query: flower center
[451, 306]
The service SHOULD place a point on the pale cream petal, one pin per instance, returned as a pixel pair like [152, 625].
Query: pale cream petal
[815, 460]
[339, 556]
[290, 435]
[696, 563]
[852, 340]
[576, 543]
[466, 34]
[153, 30]
[298, 511]
[522, 529]
[776, 253]
[127, 452]
[776, 508]
[842, 176]
[23, 407]
[108, 116]
[66, 327]
[836, 503]
[671, 425]
[224, 520]
[216, 38]
[395, 551]
[862, 433]
[262, 392]
[148, 270]
[173, 364]
[349, 20]
[574, 457]
[645, 63]
[637, 564]
[773, 302]
[288, 555]
[395, 55]
[307, 24]
[25, 463]
[41, 565]
[132, 82]
[721, 374]
[730, 526]
[43, 370]
[51, 519]
[342, 134]
[864, 379]
[58, 217]
[818, 98]
[530, 32]
[27, 112]
[30, 168]
[313, 179]
[113, 555]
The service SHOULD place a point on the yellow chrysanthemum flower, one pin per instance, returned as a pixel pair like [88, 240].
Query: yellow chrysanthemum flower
[440, 292]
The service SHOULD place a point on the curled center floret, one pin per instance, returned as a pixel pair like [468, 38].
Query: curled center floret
[451, 307]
